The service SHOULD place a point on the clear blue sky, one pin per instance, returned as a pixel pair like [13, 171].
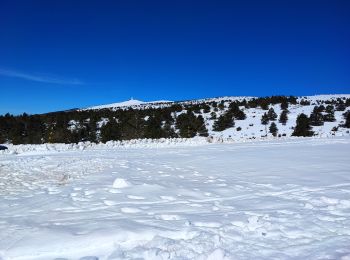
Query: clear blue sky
[64, 54]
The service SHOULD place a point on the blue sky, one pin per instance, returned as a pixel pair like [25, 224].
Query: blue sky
[57, 55]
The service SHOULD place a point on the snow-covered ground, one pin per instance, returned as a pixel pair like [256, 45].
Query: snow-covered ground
[130, 103]
[276, 199]
[251, 127]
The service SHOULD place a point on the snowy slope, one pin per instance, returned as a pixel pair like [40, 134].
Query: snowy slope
[133, 103]
[251, 127]
[282, 199]
[129, 103]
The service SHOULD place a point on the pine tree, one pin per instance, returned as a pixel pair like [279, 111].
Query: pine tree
[200, 125]
[341, 106]
[110, 131]
[329, 117]
[236, 112]
[347, 119]
[329, 109]
[264, 119]
[189, 125]
[153, 128]
[223, 122]
[283, 117]
[168, 130]
[264, 104]
[221, 105]
[284, 105]
[302, 127]
[316, 117]
[272, 114]
[273, 129]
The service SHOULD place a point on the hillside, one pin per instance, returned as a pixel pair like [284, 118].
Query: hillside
[130, 103]
[235, 118]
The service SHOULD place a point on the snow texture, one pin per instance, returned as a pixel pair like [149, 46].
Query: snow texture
[273, 199]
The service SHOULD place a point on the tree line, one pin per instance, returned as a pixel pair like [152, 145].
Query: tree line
[179, 119]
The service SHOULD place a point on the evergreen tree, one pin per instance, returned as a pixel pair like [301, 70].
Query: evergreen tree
[189, 125]
[200, 125]
[221, 105]
[168, 130]
[92, 136]
[273, 129]
[110, 131]
[284, 105]
[341, 106]
[302, 127]
[329, 109]
[236, 112]
[223, 122]
[329, 117]
[316, 117]
[264, 104]
[154, 128]
[283, 117]
[272, 114]
[206, 108]
[347, 119]
[185, 124]
[264, 119]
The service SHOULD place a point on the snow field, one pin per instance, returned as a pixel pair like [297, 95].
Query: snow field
[277, 199]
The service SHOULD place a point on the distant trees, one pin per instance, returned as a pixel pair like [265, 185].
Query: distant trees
[175, 120]
[264, 104]
[236, 112]
[226, 120]
[320, 114]
[190, 125]
[302, 127]
[110, 131]
[341, 106]
[269, 116]
[223, 122]
[153, 127]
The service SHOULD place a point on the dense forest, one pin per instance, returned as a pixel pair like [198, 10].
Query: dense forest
[176, 119]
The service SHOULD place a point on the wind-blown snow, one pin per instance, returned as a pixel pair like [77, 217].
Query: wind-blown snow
[277, 199]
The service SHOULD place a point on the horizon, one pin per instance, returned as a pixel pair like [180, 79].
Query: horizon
[66, 55]
[145, 102]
